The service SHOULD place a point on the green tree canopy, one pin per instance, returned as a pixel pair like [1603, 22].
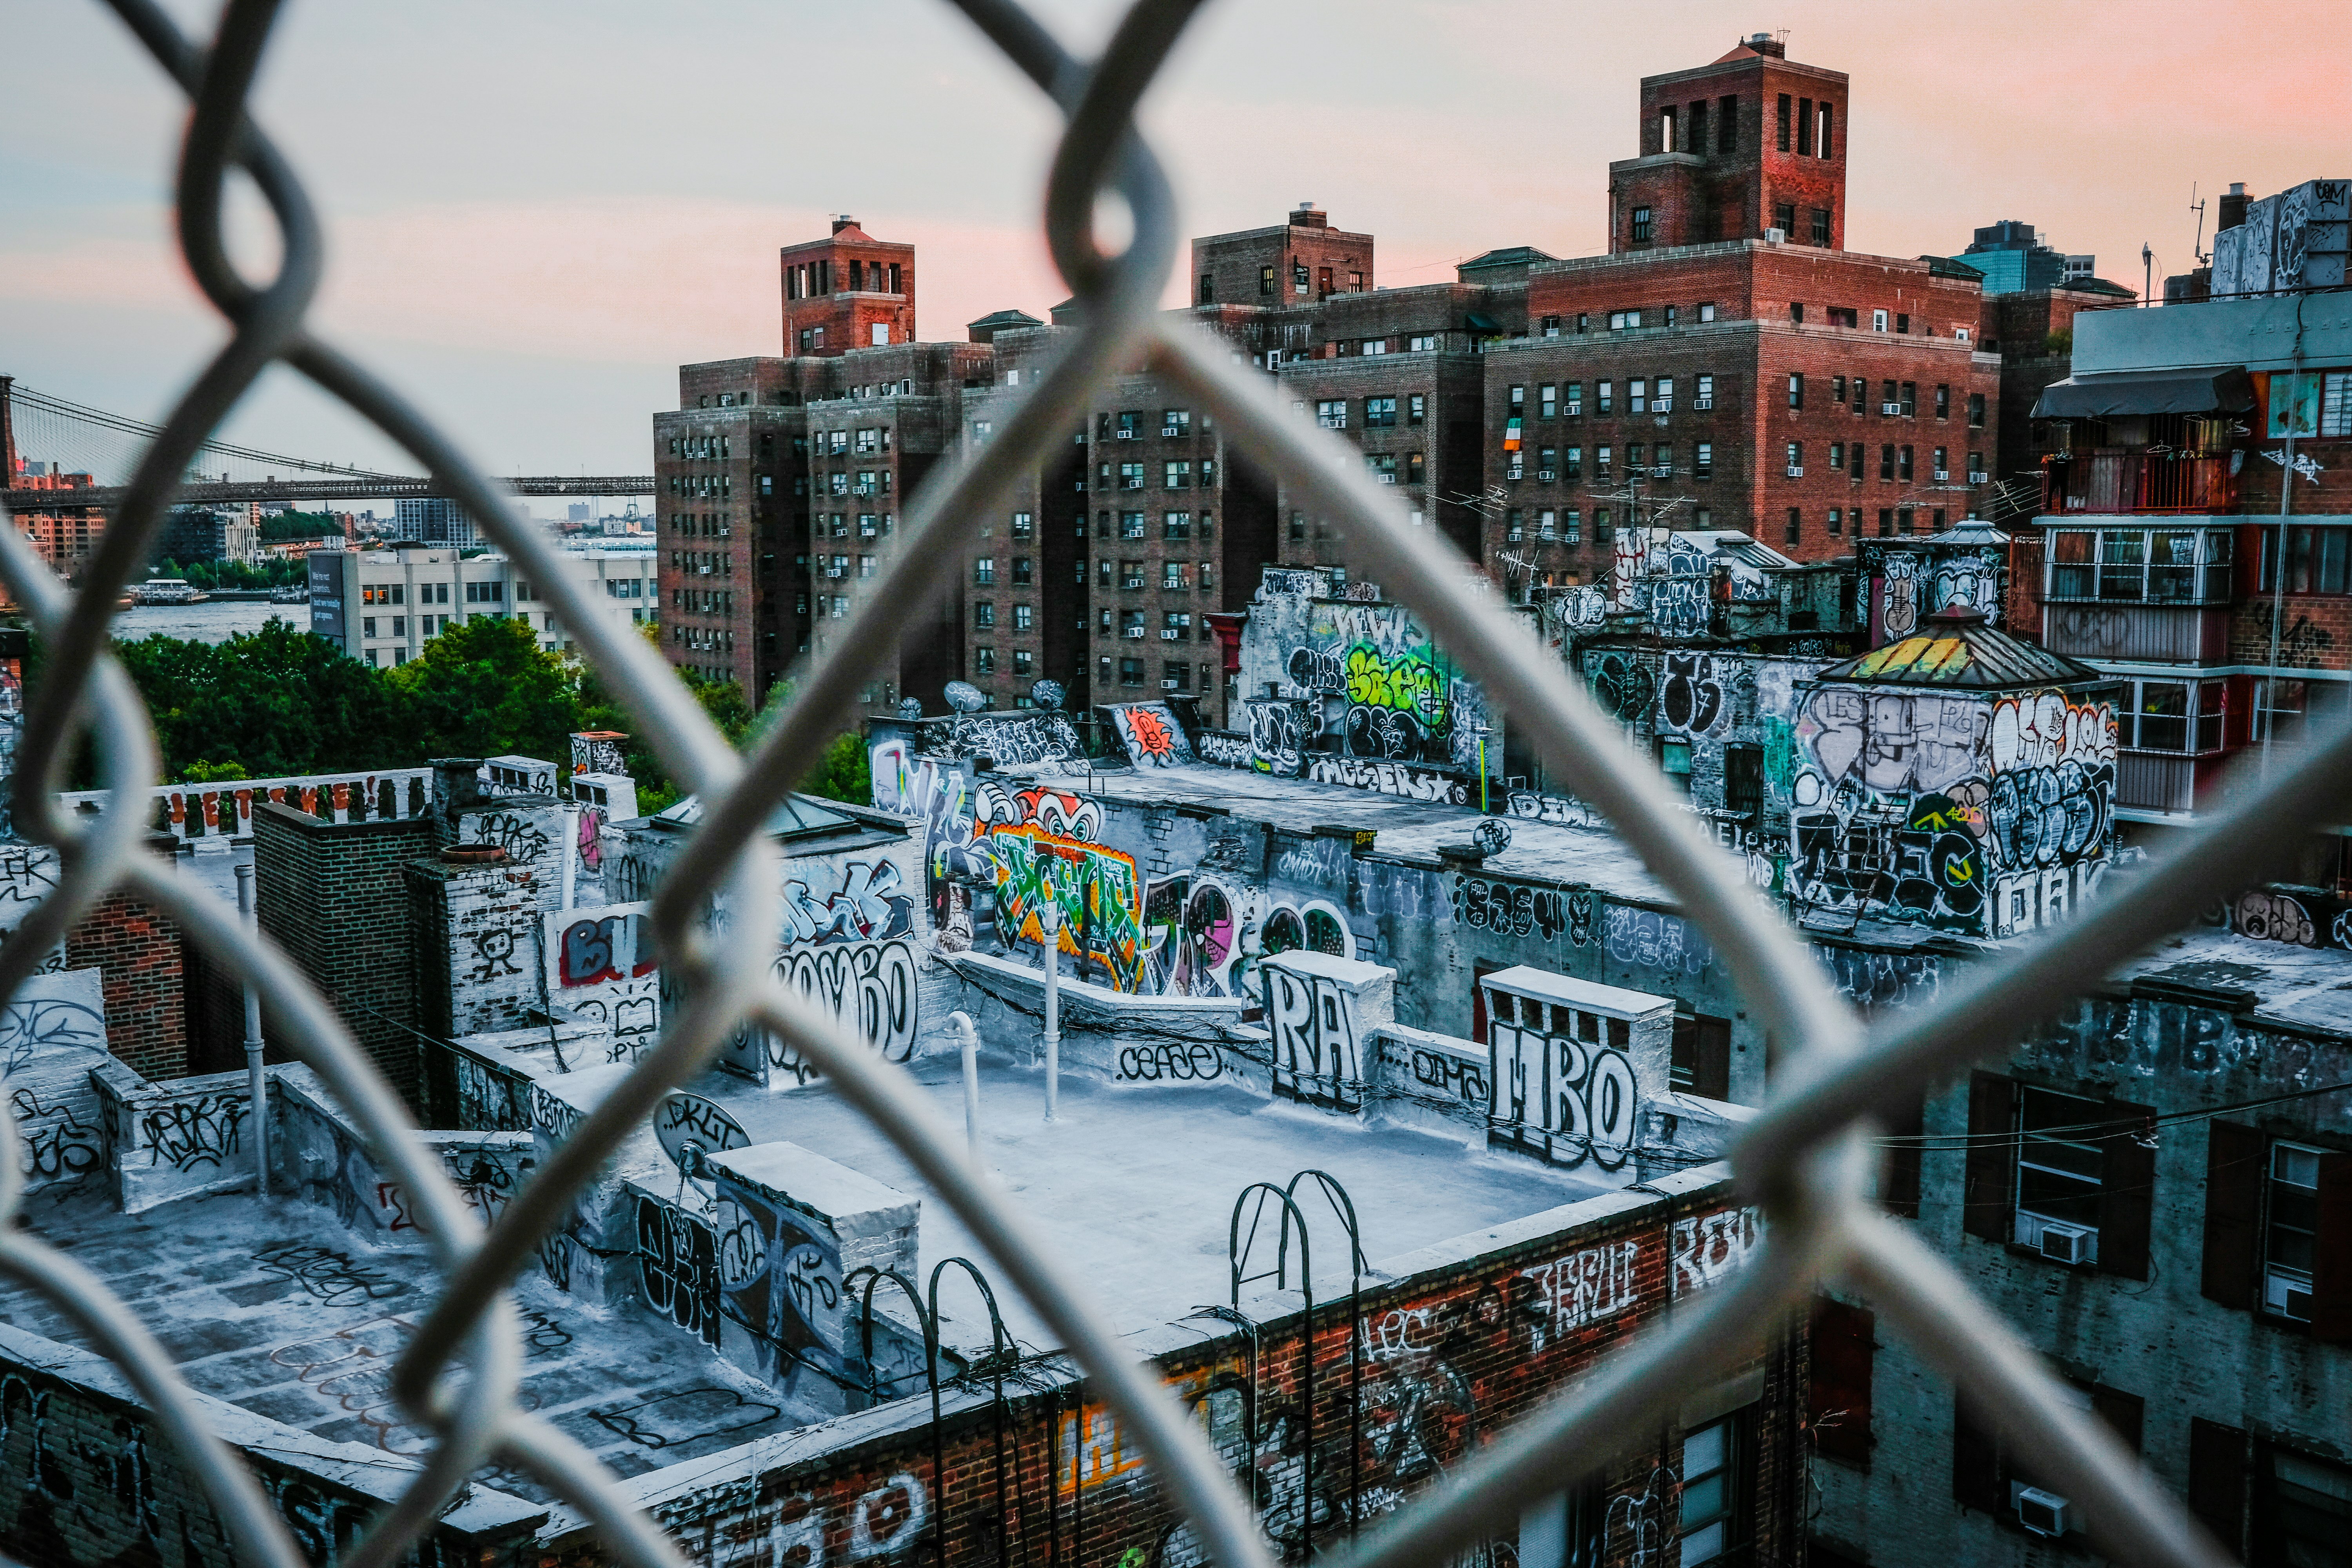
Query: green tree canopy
[274, 702]
[485, 687]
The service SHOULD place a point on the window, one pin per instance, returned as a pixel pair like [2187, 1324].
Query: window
[1514, 526]
[1297, 528]
[1886, 522]
[1878, 320]
[1796, 525]
[2316, 560]
[1837, 457]
[1796, 389]
[1715, 1505]
[1024, 616]
[1904, 519]
[1603, 532]
[1781, 123]
[1023, 571]
[1673, 753]
[1548, 524]
[1572, 468]
[1265, 280]
[1910, 400]
[1637, 395]
[1821, 234]
[1887, 462]
[983, 661]
[1416, 408]
[1176, 422]
[1641, 226]
[1331, 413]
[1130, 525]
[1299, 278]
[1176, 473]
[1379, 413]
[1706, 310]
[1413, 473]
[1795, 455]
[1130, 476]
[2279, 709]
[1130, 670]
[1600, 461]
[1942, 470]
[1860, 393]
[1573, 398]
[1208, 290]
[1842, 1342]
[1547, 401]
[1784, 218]
[1836, 522]
[1602, 393]
[1702, 460]
[2077, 1183]
[1624, 320]
[1371, 345]
[1902, 324]
[1176, 525]
[1902, 468]
[1943, 401]
[1172, 580]
[983, 571]
[367, 626]
[1208, 576]
[1131, 574]
[1706, 398]
[2171, 565]
[1428, 342]
[1976, 410]
[1177, 676]
[983, 614]
[2058, 1169]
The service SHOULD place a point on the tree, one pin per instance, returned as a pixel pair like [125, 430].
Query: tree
[274, 702]
[485, 687]
[845, 773]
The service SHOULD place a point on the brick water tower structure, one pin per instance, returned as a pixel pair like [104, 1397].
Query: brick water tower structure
[1750, 142]
[848, 291]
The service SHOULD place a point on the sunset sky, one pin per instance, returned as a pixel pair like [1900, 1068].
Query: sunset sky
[536, 211]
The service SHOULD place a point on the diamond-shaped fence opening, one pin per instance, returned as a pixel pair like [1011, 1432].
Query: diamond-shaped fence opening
[1802, 1160]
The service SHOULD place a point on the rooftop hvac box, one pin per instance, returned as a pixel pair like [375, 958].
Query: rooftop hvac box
[1570, 1063]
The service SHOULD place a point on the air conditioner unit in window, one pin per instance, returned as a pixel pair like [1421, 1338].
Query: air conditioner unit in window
[1171, 430]
[1127, 435]
[1662, 406]
[2044, 1513]
[1795, 472]
[1662, 471]
[1975, 477]
[2063, 1243]
[1169, 634]
[1890, 408]
[1135, 632]
[1941, 476]
[1776, 237]
[1702, 403]
[1544, 475]
[1576, 411]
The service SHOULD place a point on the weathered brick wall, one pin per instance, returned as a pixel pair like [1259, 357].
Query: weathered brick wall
[1456, 1346]
[137, 952]
[332, 895]
[87, 1475]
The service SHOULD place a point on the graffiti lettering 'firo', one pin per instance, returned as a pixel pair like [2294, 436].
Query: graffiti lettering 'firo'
[1098, 890]
[1587, 1287]
[1566, 1100]
[1389, 778]
[1707, 1250]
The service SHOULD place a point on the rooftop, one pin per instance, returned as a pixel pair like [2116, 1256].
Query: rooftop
[1961, 650]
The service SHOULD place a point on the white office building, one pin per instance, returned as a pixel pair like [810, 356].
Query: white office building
[382, 606]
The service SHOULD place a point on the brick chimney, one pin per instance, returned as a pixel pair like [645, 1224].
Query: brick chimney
[1310, 215]
[843, 221]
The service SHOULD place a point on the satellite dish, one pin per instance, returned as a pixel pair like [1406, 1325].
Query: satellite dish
[1048, 694]
[966, 698]
[692, 1129]
[911, 708]
[1491, 835]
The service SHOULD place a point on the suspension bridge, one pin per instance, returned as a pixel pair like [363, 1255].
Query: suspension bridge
[73, 439]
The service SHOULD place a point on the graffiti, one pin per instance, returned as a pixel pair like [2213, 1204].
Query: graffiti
[1872, 980]
[1491, 837]
[1151, 734]
[1576, 610]
[687, 1416]
[1648, 940]
[1062, 814]
[887, 1520]
[1509, 909]
[2276, 917]
[1566, 811]
[1886, 742]
[677, 1267]
[1623, 685]
[1972, 582]
[592, 837]
[1900, 612]
[1690, 699]
[2052, 780]
[598, 751]
[602, 948]
[1195, 931]
[2303, 644]
[1169, 1062]
[1222, 748]
[1315, 927]
[1407, 684]
[520, 837]
[868, 988]
[1316, 1057]
[1012, 741]
[59, 1145]
[1389, 778]
[1707, 1250]
[328, 1277]
[1679, 600]
[781, 1279]
[1098, 890]
[1456, 1077]
[1586, 1286]
[1581, 910]
[193, 1134]
[867, 907]
[495, 946]
[1563, 1099]
[1278, 731]
[1314, 670]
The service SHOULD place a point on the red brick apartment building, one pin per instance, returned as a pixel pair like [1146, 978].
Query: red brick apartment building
[1727, 365]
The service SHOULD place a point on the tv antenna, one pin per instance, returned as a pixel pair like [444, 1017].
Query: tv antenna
[2197, 206]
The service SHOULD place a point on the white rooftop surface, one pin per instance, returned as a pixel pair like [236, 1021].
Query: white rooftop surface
[1590, 996]
[1134, 1187]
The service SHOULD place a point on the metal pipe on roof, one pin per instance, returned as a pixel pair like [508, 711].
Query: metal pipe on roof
[967, 1039]
[1050, 917]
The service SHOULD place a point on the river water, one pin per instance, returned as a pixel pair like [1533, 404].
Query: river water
[215, 621]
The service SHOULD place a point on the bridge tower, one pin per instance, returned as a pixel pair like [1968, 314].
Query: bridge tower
[7, 430]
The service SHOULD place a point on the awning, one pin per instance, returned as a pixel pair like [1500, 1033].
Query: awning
[1479, 323]
[2229, 391]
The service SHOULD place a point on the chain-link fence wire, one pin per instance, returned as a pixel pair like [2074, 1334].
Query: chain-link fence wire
[1804, 1159]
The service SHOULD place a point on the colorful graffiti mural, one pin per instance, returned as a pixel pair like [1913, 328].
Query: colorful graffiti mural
[1151, 733]
[1098, 892]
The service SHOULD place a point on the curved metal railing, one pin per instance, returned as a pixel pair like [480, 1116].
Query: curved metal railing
[1803, 1159]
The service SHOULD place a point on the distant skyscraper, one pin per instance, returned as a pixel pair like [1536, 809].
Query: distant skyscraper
[433, 520]
[583, 512]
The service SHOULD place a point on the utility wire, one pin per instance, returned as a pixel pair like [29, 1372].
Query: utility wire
[2099, 1132]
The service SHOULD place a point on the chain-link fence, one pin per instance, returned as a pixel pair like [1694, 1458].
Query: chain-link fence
[1804, 1159]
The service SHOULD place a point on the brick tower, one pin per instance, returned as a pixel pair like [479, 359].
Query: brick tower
[850, 291]
[1750, 142]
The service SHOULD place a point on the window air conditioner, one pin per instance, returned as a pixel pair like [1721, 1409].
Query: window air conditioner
[1889, 408]
[1514, 472]
[1662, 406]
[1702, 403]
[1167, 684]
[1135, 632]
[1662, 471]
[1127, 435]
[1171, 430]
[1796, 473]
[1544, 475]
[1975, 477]
[1576, 411]
[2044, 1513]
[1168, 634]
[1941, 475]
[2068, 1243]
